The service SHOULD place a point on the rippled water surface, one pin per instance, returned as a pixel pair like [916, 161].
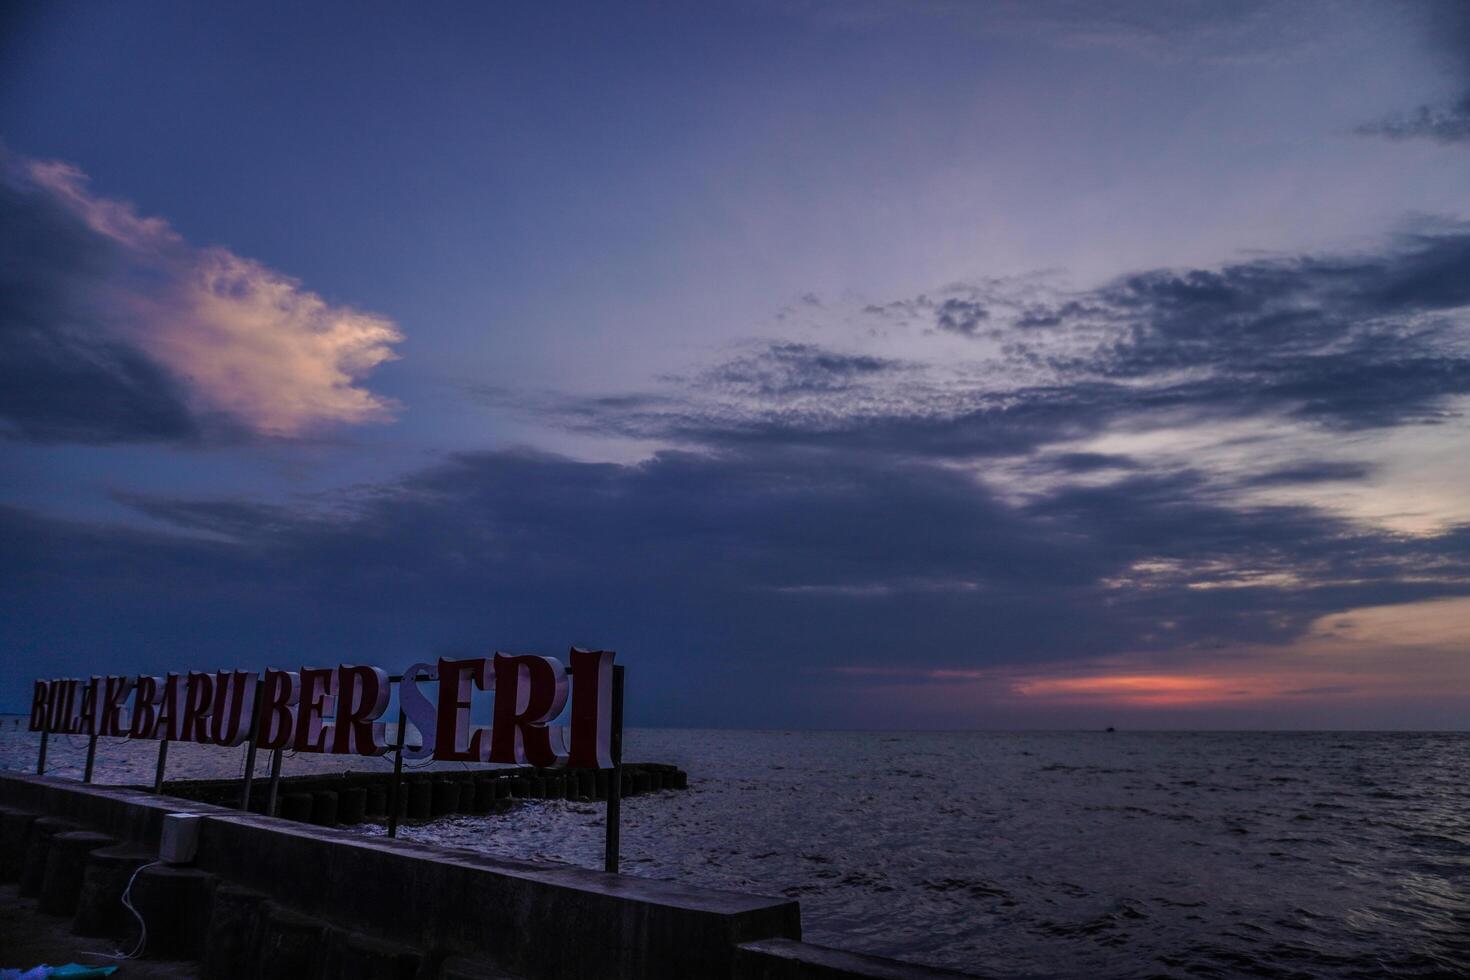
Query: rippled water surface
[1016, 855]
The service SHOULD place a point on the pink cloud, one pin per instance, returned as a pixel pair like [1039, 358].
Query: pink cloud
[245, 340]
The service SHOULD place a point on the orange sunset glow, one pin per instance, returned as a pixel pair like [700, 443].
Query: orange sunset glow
[1145, 689]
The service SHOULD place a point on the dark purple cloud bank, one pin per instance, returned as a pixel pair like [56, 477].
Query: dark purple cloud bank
[715, 573]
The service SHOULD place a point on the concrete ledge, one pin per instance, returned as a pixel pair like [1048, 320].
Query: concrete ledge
[788, 959]
[127, 814]
[537, 921]
[534, 920]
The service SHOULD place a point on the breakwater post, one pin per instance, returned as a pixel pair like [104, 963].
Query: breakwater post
[365, 796]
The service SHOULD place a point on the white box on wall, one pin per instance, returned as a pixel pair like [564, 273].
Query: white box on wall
[179, 841]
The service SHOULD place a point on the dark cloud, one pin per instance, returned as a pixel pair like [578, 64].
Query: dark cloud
[1306, 473]
[1090, 462]
[1055, 316]
[1442, 124]
[723, 573]
[1447, 27]
[964, 313]
[961, 316]
[61, 379]
[1339, 343]
[1352, 343]
[783, 369]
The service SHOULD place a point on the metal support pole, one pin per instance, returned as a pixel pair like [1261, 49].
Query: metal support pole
[275, 784]
[91, 759]
[41, 759]
[395, 788]
[162, 766]
[615, 780]
[250, 749]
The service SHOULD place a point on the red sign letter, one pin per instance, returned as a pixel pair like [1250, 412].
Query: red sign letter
[198, 702]
[145, 706]
[592, 674]
[362, 695]
[166, 725]
[456, 740]
[234, 705]
[529, 692]
[114, 693]
[278, 710]
[318, 699]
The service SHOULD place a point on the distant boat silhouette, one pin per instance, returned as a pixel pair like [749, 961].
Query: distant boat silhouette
[1111, 728]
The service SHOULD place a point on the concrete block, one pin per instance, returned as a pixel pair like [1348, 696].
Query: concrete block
[38, 845]
[420, 800]
[468, 968]
[296, 806]
[324, 808]
[789, 959]
[485, 796]
[66, 862]
[354, 956]
[290, 944]
[377, 799]
[587, 784]
[403, 801]
[352, 805]
[14, 826]
[175, 904]
[446, 798]
[100, 910]
[233, 941]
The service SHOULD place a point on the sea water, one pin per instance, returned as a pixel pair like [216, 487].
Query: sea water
[1022, 854]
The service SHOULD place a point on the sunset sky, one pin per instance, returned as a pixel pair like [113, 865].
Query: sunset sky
[867, 364]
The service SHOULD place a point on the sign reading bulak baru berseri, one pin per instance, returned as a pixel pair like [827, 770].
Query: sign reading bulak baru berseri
[338, 710]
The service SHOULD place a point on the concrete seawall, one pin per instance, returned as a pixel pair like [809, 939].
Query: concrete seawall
[268, 897]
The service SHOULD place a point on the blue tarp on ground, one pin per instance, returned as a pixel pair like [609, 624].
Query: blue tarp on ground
[71, 971]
